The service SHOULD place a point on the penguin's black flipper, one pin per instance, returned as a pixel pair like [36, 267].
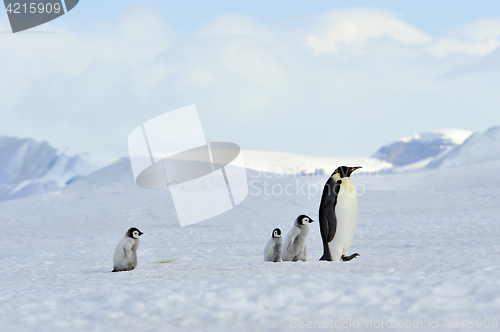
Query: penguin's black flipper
[114, 270]
[327, 218]
[331, 221]
[348, 258]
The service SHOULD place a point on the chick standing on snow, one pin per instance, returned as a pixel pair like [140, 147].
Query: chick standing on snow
[295, 243]
[272, 252]
[125, 258]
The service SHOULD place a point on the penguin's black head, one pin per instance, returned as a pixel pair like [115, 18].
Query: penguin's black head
[277, 233]
[134, 233]
[303, 220]
[345, 171]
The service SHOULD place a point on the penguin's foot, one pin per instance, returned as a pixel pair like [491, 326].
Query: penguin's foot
[348, 258]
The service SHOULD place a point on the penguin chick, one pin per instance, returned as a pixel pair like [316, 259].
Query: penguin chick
[272, 252]
[125, 258]
[295, 247]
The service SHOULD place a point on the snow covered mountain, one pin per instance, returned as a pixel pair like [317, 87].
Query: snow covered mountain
[28, 167]
[421, 147]
[478, 148]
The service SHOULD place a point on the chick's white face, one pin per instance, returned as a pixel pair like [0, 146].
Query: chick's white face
[135, 234]
[276, 234]
[306, 221]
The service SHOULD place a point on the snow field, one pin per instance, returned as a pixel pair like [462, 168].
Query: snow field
[429, 250]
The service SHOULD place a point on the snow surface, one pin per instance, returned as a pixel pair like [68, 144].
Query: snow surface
[428, 242]
[28, 167]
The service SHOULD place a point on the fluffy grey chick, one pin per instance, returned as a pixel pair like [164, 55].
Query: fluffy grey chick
[125, 258]
[272, 252]
[295, 247]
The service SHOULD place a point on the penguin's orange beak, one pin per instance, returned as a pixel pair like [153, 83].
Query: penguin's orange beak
[355, 168]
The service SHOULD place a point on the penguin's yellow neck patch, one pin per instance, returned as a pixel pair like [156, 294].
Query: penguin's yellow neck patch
[336, 177]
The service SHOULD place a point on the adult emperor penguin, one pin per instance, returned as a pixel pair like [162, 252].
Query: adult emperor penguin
[272, 252]
[125, 258]
[338, 215]
[295, 247]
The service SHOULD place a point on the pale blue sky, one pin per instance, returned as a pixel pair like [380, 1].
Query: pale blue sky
[432, 17]
[324, 78]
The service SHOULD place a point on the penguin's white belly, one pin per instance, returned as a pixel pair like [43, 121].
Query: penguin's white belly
[346, 212]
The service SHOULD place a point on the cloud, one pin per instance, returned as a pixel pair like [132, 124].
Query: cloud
[357, 27]
[340, 83]
[476, 39]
